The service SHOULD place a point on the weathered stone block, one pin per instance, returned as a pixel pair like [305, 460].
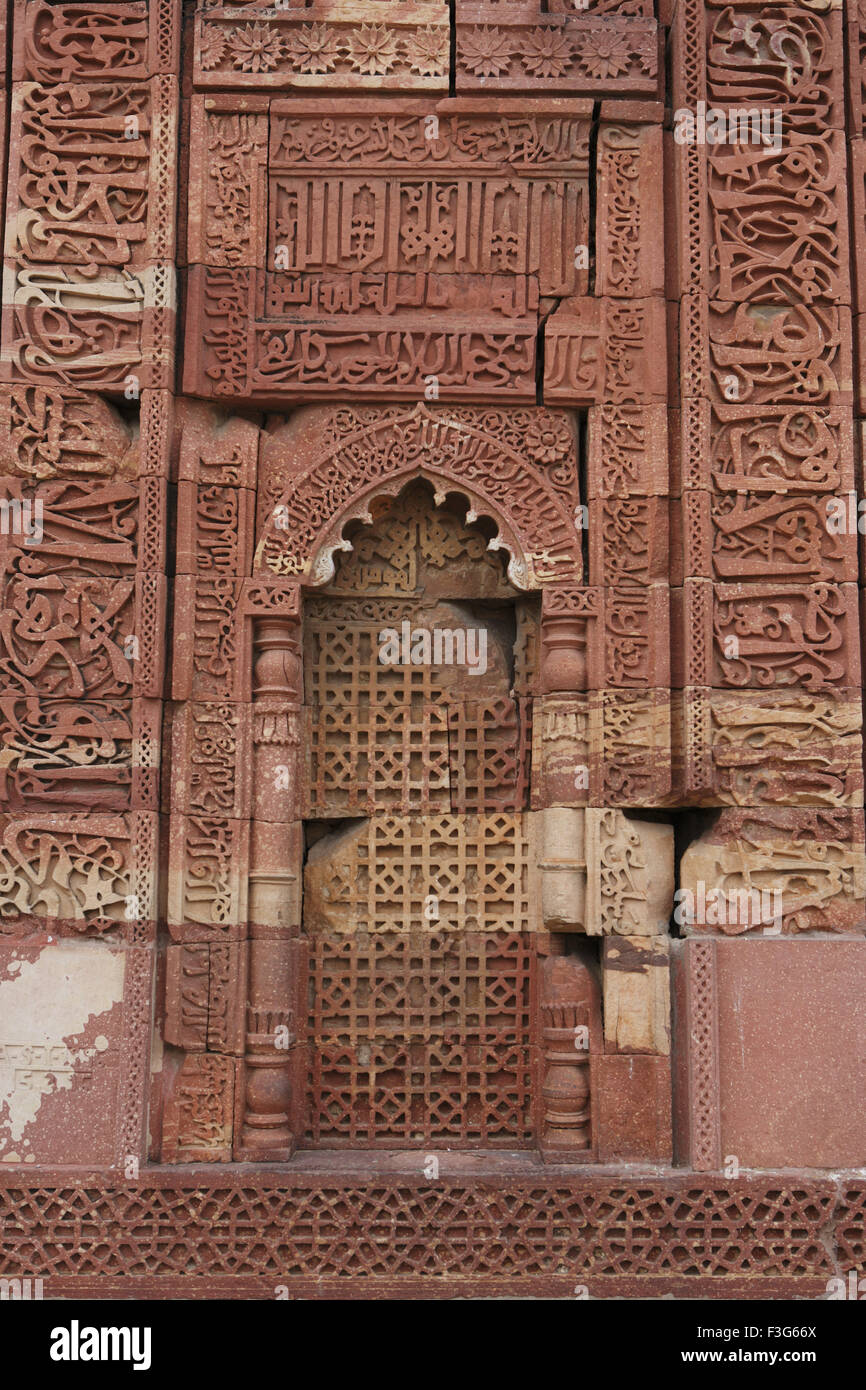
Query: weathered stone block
[637, 1003]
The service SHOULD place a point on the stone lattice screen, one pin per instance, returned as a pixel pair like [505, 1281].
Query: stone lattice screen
[332, 319]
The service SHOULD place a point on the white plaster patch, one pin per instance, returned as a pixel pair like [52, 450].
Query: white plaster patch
[51, 999]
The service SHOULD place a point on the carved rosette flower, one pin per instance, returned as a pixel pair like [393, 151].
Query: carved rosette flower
[213, 46]
[547, 442]
[485, 51]
[312, 49]
[547, 53]
[605, 55]
[255, 48]
[372, 50]
[427, 51]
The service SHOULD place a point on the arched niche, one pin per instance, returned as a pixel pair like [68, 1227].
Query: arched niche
[325, 468]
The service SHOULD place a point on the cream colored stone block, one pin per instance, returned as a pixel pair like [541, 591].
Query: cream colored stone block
[563, 869]
[636, 992]
[630, 875]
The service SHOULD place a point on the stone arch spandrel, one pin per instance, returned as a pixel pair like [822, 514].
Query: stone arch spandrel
[517, 468]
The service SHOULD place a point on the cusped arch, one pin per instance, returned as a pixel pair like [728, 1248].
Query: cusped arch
[326, 468]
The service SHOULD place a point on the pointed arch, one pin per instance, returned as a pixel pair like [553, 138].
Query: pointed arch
[327, 466]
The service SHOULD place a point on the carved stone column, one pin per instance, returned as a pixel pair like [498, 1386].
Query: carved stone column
[571, 657]
[570, 1018]
[276, 851]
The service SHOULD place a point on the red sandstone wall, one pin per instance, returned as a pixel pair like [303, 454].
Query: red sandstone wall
[264, 272]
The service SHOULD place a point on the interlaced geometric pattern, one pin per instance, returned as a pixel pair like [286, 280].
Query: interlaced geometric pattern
[443, 873]
[489, 744]
[421, 1038]
[401, 737]
[386, 757]
[670, 1234]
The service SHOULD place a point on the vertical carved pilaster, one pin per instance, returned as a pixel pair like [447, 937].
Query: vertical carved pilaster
[570, 1020]
[564, 645]
[572, 653]
[274, 892]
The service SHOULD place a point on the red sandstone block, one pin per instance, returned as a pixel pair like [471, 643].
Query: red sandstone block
[267, 593]
[212, 759]
[593, 638]
[769, 872]
[634, 9]
[423, 356]
[112, 149]
[216, 449]
[157, 430]
[636, 637]
[748, 536]
[772, 871]
[526, 141]
[735, 354]
[192, 1083]
[747, 748]
[633, 1100]
[109, 642]
[687, 54]
[115, 526]
[688, 235]
[520, 48]
[294, 531]
[734, 448]
[147, 642]
[208, 871]
[628, 451]
[860, 339]
[792, 1086]
[628, 540]
[99, 755]
[212, 752]
[205, 997]
[752, 186]
[153, 524]
[629, 213]
[689, 446]
[66, 1036]
[309, 298]
[325, 44]
[606, 350]
[695, 1054]
[228, 178]
[215, 533]
[630, 112]
[64, 329]
[745, 70]
[818, 825]
[602, 748]
[92, 42]
[769, 635]
[209, 641]
[854, 87]
[295, 228]
[103, 873]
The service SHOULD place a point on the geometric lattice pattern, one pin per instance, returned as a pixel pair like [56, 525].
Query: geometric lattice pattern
[421, 1039]
[396, 736]
[676, 1234]
[445, 873]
